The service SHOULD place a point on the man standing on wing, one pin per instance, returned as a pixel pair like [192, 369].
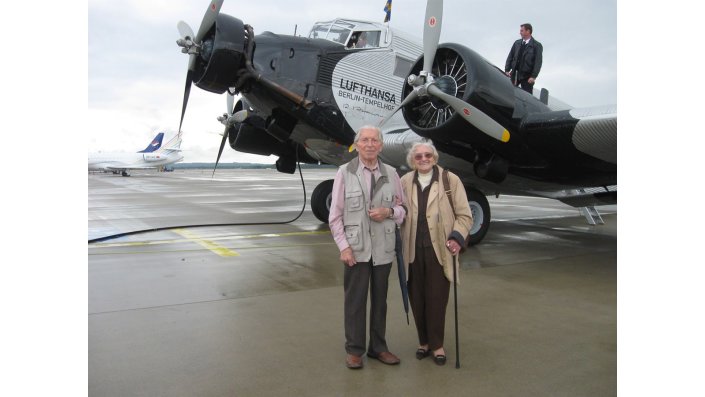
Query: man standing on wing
[524, 60]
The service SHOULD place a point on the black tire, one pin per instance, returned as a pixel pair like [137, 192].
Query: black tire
[481, 215]
[320, 200]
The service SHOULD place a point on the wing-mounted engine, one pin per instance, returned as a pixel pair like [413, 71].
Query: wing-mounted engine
[459, 92]
[460, 73]
[468, 106]
[258, 135]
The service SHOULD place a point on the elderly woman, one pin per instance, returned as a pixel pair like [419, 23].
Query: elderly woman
[433, 232]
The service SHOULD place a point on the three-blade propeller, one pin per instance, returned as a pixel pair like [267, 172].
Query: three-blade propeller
[425, 85]
[229, 119]
[192, 45]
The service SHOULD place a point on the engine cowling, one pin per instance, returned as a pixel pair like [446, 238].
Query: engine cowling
[462, 73]
[222, 55]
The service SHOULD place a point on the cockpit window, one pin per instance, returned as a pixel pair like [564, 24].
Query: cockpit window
[336, 31]
[364, 39]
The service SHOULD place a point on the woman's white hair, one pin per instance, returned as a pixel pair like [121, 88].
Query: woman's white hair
[412, 152]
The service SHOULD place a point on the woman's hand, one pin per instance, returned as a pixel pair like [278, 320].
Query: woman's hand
[453, 246]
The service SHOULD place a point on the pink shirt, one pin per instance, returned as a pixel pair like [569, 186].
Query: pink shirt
[338, 202]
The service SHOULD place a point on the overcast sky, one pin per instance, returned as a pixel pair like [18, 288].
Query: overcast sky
[136, 72]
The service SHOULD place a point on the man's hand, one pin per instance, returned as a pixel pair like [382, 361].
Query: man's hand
[347, 257]
[379, 214]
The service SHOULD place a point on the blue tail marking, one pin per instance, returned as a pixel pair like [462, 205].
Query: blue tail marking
[156, 144]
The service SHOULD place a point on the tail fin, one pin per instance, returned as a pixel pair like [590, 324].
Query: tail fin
[173, 145]
[156, 144]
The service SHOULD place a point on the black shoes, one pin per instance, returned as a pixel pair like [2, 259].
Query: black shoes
[422, 353]
[440, 359]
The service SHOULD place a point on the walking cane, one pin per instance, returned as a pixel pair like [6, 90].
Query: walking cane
[455, 298]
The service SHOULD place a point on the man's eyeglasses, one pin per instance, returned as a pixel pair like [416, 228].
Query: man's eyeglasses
[366, 141]
[420, 156]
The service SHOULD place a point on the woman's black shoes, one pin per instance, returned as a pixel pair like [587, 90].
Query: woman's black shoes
[422, 353]
[440, 359]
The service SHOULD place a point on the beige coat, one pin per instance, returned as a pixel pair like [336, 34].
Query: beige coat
[441, 221]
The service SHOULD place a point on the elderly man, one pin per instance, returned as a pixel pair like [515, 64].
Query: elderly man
[366, 206]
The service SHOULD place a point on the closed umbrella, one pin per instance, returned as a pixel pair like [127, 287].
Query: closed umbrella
[402, 274]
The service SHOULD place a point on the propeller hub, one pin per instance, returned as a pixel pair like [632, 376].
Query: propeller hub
[188, 46]
[426, 75]
[448, 85]
[206, 49]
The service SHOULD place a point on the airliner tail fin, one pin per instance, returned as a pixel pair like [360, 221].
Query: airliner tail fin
[154, 145]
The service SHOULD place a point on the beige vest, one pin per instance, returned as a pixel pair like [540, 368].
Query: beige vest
[368, 239]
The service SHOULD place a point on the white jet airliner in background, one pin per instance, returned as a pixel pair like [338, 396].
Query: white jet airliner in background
[153, 156]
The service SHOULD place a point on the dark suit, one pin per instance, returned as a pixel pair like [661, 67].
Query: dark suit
[524, 61]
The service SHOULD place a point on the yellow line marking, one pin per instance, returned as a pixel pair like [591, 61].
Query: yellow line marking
[240, 249]
[222, 251]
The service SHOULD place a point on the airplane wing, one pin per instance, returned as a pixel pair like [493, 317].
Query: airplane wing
[596, 132]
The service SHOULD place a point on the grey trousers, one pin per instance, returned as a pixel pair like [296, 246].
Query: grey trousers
[356, 280]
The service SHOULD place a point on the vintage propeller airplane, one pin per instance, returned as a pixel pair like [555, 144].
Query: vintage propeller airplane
[302, 98]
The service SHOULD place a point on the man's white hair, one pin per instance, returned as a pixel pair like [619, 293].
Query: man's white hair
[368, 127]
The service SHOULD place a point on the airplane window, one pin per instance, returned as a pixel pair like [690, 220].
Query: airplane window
[341, 38]
[328, 31]
[338, 34]
[373, 39]
[364, 39]
[319, 31]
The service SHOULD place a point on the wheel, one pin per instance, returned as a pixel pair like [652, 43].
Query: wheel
[320, 200]
[480, 208]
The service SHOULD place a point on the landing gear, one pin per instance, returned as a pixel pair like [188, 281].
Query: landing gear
[480, 208]
[124, 173]
[321, 199]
